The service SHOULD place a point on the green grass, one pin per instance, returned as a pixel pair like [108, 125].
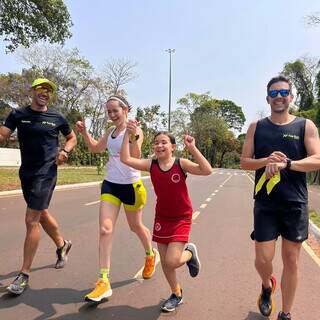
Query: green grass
[10, 177]
[315, 217]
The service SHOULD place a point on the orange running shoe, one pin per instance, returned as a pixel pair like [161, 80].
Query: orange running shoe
[150, 265]
[101, 292]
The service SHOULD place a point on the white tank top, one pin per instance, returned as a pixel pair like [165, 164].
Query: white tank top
[116, 171]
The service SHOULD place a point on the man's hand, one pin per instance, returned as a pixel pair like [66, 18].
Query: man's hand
[61, 158]
[277, 156]
[273, 168]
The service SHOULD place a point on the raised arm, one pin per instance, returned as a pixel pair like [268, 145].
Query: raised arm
[95, 146]
[201, 166]
[135, 138]
[126, 158]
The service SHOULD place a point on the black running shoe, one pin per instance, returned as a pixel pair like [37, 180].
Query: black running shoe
[265, 302]
[284, 316]
[19, 284]
[170, 304]
[62, 254]
[193, 264]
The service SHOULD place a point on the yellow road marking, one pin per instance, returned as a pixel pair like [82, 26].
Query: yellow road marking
[311, 253]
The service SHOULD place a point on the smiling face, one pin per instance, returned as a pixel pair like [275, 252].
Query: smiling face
[163, 146]
[279, 104]
[116, 113]
[42, 94]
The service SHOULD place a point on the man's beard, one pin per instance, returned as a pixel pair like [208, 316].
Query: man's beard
[280, 110]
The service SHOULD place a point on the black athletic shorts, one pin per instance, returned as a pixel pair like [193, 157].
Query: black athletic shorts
[288, 219]
[37, 190]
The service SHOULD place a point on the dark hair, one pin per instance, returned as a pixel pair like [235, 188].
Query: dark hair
[279, 78]
[168, 134]
[117, 97]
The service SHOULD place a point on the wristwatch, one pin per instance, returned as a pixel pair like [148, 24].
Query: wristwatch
[134, 138]
[288, 166]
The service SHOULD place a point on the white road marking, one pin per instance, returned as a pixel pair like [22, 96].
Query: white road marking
[203, 205]
[225, 181]
[213, 194]
[195, 215]
[91, 203]
[208, 199]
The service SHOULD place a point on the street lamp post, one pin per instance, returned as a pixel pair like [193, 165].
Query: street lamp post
[170, 51]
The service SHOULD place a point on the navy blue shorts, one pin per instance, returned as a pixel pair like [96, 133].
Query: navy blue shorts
[38, 190]
[288, 219]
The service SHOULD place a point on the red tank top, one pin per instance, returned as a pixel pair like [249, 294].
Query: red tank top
[173, 201]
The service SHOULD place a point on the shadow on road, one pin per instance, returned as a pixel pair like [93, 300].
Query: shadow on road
[14, 273]
[254, 316]
[44, 299]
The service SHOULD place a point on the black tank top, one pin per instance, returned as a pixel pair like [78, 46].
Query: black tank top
[289, 139]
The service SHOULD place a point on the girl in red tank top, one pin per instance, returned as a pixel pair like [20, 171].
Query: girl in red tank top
[173, 214]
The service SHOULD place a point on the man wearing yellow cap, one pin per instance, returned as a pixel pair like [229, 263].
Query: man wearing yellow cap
[280, 148]
[38, 129]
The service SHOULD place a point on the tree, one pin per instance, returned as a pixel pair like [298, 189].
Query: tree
[313, 19]
[23, 23]
[82, 93]
[118, 73]
[151, 121]
[227, 110]
[304, 75]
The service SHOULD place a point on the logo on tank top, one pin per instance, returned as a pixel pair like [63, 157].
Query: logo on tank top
[175, 177]
[157, 226]
[291, 136]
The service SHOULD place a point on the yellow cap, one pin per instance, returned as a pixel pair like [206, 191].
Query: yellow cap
[39, 81]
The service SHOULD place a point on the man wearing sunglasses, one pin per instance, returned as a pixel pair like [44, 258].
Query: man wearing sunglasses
[38, 129]
[280, 148]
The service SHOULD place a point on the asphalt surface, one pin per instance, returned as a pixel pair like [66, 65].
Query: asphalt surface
[226, 288]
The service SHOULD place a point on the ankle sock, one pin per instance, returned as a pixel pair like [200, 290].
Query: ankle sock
[150, 252]
[104, 274]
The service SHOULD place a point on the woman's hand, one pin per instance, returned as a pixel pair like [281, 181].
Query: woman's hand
[81, 126]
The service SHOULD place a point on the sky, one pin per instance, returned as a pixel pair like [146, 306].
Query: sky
[229, 48]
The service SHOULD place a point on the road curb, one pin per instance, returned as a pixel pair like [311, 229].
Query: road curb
[61, 187]
[314, 230]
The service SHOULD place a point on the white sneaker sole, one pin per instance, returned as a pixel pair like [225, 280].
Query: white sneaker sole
[105, 296]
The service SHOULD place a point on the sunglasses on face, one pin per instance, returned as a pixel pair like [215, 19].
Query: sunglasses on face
[40, 89]
[274, 93]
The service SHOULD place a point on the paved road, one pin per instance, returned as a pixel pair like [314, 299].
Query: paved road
[227, 287]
